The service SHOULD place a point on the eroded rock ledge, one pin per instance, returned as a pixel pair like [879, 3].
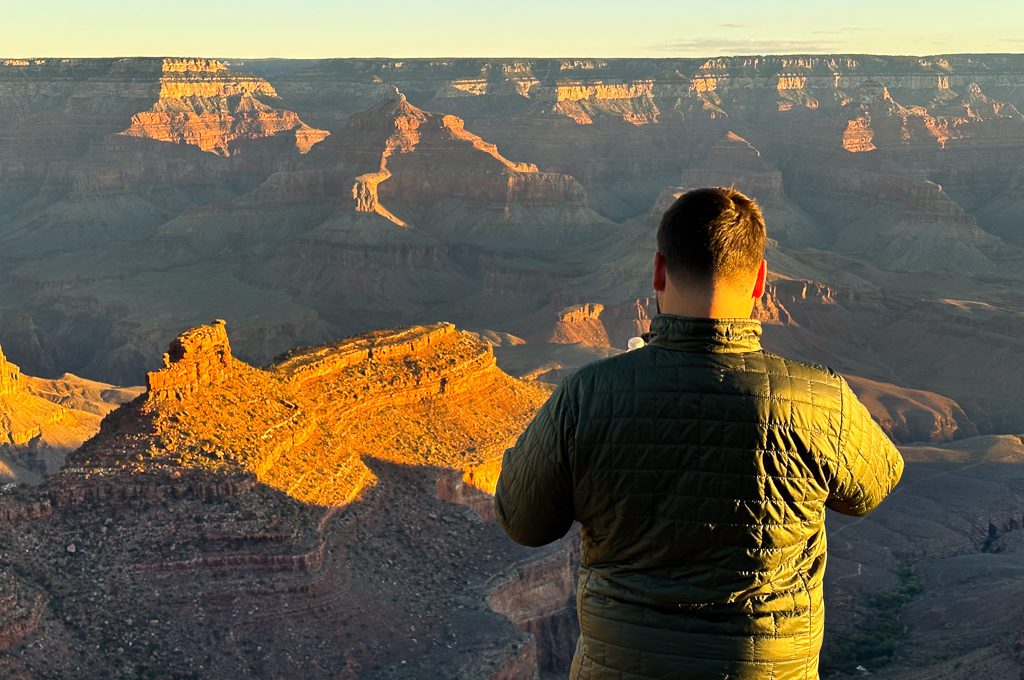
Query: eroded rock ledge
[202, 103]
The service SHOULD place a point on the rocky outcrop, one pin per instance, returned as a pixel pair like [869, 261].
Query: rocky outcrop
[539, 596]
[9, 376]
[429, 159]
[195, 359]
[208, 410]
[42, 420]
[913, 415]
[580, 324]
[628, 320]
[858, 136]
[582, 101]
[202, 103]
[782, 294]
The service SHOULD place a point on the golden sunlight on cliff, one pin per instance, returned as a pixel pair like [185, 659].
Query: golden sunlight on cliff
[202, 103]
[631, 101]
[858, 135]
[425, 395]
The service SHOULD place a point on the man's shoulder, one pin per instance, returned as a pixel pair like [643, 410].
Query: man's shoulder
[787, 377]
[807, 369]
[623, 361]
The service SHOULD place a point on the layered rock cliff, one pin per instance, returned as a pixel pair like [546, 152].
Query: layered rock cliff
[263, 495]
[429, 160]
[202, 103]
[41, 420]
[580, 324]
[313, 405]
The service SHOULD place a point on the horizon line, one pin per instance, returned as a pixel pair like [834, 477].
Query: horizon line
[479, 57]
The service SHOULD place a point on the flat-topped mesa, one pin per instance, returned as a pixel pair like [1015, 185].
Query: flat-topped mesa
[10, 376]
[198, 357]
[631, 101]
[202, 103]
[187, 65]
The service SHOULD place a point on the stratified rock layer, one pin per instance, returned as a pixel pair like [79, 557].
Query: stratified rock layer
[42, 420]
[204, 104]
[307, 505]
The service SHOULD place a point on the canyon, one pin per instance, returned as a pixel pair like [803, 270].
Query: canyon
[317, 514]
[314, 490]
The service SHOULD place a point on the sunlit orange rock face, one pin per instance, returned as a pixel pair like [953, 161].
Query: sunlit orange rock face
[858, 135]
[204, 104]
[631, 101]
[303, 424]
[580, 324]
[9, 375]
[41, 420]
[307, 506]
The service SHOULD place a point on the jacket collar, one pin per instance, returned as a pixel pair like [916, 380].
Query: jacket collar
[695, 334]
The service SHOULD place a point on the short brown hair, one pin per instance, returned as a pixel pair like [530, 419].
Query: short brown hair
[710, 234]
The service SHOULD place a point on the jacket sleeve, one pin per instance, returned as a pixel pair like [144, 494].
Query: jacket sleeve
[533, 500]
[868, 464]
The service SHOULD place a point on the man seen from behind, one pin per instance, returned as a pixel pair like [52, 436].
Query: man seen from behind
[699, 468]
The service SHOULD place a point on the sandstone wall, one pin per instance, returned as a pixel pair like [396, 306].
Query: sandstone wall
[196, 358]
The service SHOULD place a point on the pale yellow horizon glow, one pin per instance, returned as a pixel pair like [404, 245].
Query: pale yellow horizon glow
[526, 28]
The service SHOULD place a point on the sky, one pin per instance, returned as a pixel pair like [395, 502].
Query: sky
[528, 28]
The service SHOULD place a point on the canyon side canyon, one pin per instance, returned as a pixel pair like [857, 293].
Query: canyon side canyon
[267, 327]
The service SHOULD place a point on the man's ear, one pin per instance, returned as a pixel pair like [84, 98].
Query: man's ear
[762, 275]
[660, 273]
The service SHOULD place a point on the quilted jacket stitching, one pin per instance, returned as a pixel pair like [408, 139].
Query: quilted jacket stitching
[809, 413]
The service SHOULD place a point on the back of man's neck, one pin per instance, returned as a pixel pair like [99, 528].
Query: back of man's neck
[706, 306]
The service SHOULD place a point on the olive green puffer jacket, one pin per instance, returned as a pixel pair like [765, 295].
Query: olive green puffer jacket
[700, 468]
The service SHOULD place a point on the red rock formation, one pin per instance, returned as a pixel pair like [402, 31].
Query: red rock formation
[858, 135]
[627, 320]
[203, 104]
[195, 359]
[268, 420]
[580, 324]
[9, 376]
[772, 307]
[428, 158]
[582, 101]
[41, 420]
